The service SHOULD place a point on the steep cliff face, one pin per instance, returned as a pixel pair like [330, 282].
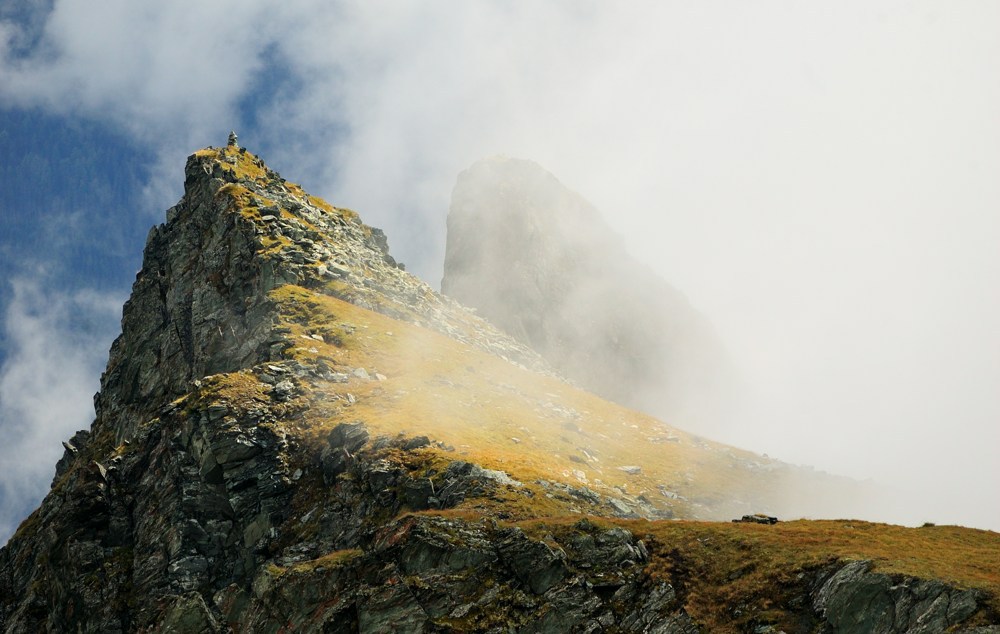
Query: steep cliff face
[294, 434]
[538, 260]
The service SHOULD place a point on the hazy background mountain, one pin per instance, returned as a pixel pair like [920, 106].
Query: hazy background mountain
[538, 260]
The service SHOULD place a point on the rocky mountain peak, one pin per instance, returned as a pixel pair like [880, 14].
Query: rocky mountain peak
[294, 434]
[200, 304]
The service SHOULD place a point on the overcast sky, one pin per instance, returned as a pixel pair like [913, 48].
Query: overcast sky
[820, 179]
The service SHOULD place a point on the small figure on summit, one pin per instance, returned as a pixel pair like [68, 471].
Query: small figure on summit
[232, 139]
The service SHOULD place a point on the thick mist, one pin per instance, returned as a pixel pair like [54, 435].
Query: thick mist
[818, 179]
[537, 260]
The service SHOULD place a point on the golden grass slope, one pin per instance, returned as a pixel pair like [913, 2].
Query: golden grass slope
[504, 417]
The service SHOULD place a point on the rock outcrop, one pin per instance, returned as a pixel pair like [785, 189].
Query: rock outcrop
[537, 260]
[854, 600]
[268, 455]
[441, 574]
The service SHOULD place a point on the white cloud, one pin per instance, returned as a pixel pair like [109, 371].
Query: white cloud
[150, 68]
[819, 178]
[170, 75]
[56, 347]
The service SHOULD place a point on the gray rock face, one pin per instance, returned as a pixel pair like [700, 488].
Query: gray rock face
[538, 261]
[428, 574]
[854, 600]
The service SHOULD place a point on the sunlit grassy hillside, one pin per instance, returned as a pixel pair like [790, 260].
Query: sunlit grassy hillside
[502, 416]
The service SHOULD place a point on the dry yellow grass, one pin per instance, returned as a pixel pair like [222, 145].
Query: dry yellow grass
[505, 417]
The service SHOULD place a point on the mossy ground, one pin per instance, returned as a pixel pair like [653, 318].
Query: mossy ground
[757, 566]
